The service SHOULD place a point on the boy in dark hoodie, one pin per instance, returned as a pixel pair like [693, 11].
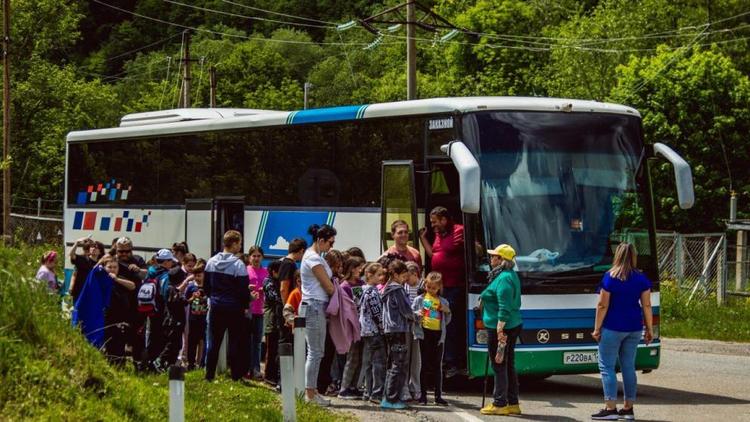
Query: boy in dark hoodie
[273, 322]
[228, 289]
[397, 320]
[161, 325]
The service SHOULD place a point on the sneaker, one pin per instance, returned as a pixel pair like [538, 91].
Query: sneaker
[606, 415]
[423, 399]
[385, 404]
[441, 401]
[491, 409]
[626, 414]
[350, 394]
[514, 409]
[319, 400]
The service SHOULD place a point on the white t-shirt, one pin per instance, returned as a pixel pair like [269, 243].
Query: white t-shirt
[311, 288]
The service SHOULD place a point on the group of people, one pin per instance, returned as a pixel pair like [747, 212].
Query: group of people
[374, 331]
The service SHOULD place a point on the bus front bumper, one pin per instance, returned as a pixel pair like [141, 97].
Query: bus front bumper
[544, 361]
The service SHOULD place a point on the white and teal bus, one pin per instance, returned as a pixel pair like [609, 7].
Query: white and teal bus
[563, 181]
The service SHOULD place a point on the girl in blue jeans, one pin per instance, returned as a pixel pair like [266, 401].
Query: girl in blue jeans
[624, 305]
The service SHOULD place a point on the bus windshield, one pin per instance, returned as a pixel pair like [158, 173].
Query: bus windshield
[561, 188]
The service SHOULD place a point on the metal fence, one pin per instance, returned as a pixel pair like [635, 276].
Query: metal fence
[696, 264]
[36, 220]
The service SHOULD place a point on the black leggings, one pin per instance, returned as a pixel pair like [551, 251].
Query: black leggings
[431, 351]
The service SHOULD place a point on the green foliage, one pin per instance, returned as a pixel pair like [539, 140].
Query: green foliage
[75, 68]
[49, 372]
[704, 320]
[697, 102]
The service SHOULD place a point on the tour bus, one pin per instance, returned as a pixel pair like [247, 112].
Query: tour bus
[562, 181]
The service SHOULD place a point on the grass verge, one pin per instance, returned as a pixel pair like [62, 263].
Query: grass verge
[704, 319]
[49, 372]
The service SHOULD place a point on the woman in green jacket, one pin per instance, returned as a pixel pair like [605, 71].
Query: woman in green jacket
[501, 315]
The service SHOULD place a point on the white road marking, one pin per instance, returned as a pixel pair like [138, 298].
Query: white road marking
[466, 416]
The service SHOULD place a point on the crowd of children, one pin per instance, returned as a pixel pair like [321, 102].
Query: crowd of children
[386, 324]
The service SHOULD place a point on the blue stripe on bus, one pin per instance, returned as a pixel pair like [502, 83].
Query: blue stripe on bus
[78, 220]
[564, 313]
[329, 114]
[104, 224]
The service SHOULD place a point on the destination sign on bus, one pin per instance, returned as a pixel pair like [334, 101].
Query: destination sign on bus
[438, 124]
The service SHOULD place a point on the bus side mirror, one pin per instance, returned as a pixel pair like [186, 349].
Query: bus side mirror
[682, 174]
[468, 175]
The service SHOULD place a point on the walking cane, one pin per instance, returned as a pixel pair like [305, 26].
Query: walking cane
[486, 369]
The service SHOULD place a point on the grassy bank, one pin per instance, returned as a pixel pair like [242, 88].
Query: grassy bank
[704, 320]
[49, 372]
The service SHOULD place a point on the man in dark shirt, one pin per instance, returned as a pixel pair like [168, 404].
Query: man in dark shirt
[133, 268]
[447, 258]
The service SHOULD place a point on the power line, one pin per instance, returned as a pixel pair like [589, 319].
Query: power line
[255, 18]
[144, 47]
[258, 9]
[209, 31]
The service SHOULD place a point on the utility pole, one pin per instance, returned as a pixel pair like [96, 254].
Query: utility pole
[185, 98]
[6, 121]
[394, 16]
[212, 82]
[411, 53]
[306, 98]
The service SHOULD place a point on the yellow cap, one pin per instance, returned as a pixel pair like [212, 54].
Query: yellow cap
[503, 251]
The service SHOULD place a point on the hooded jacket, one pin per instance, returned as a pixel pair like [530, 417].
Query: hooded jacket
[397, 314]
[343, 324]
[226, 283]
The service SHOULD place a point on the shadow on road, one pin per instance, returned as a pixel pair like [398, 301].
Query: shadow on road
[563, 391]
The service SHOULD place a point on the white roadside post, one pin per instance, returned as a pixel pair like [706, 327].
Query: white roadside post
[288, 397]
[176, 393]
[299, 355]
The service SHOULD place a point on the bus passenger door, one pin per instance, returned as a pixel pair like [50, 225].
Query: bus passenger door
[398, 200]
[199, 226]
[229, 214]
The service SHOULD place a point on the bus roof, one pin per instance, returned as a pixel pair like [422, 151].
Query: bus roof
[173, 122]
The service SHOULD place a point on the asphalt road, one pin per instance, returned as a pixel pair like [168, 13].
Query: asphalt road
[697, 381]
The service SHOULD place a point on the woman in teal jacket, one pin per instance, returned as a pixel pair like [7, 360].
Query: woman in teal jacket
[501, 315]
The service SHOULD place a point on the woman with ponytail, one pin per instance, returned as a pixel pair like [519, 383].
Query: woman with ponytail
[317, 288]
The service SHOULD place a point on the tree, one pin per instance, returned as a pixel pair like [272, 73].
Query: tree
[697, 102]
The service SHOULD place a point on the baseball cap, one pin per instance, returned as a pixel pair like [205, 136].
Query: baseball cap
[165, 255]
[503, 251]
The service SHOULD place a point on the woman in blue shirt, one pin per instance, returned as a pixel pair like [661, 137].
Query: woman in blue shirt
[624, 305]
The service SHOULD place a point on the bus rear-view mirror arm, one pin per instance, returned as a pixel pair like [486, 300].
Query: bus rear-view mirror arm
[468, 175]
[682, 174]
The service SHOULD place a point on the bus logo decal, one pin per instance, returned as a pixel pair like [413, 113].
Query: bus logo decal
[542, 336]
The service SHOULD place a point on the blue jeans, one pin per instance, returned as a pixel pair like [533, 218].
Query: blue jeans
[620, 345]
[315, 334]
[256, 340]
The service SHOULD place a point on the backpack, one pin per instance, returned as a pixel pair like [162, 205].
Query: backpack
[150, 299]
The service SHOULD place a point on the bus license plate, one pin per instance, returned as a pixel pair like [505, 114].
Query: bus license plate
[577, 358]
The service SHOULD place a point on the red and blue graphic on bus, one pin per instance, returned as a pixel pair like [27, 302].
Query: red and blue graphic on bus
[87, 220]
[110, 191]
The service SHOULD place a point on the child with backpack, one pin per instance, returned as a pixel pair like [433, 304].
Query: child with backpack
[397, 321]
[273, 322]
[153, 296]
[413, 287]
[198, 305]
[433, 315]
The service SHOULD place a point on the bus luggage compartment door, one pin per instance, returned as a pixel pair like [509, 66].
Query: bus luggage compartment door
[199, 226]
